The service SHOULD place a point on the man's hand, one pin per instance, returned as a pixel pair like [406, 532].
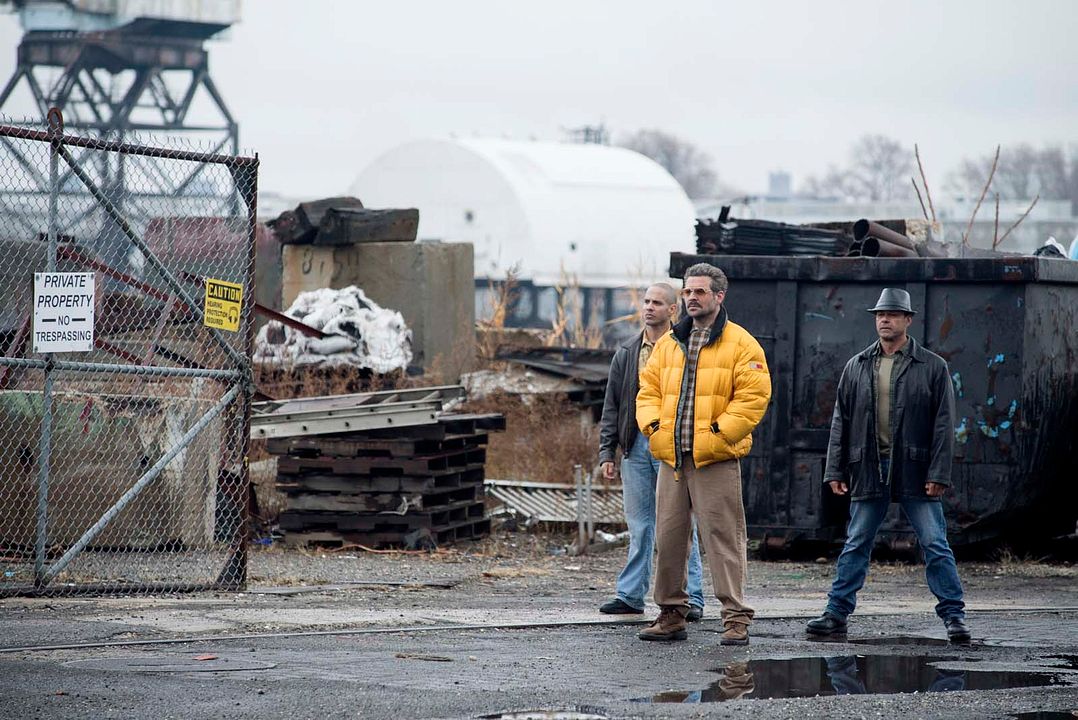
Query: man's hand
[838, 488]
[935, 489]
[608, 471]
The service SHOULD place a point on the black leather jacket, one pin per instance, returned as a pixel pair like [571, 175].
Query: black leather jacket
[618, 424]
[922, 427]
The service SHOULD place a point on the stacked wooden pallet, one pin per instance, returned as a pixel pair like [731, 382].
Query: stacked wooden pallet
[419, 486]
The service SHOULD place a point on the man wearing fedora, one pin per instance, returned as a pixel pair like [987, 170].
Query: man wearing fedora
[892, 439]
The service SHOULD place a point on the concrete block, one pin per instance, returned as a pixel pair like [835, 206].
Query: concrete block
[431, 284]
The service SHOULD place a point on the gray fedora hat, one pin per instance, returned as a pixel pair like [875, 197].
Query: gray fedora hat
[894, 299]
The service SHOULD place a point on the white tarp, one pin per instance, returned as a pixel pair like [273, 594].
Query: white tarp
[360, 333]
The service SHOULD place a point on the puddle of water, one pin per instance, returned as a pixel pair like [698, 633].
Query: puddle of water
[848, 675]
[1047, 715]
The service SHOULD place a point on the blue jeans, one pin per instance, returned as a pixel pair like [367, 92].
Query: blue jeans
[926, 517]
[639, 474]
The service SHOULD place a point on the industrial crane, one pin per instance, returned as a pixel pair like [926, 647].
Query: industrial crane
[121, 70]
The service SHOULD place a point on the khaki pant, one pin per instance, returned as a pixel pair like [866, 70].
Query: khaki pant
[713, 494]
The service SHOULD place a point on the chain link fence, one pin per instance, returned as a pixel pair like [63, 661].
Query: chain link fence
[125, 377]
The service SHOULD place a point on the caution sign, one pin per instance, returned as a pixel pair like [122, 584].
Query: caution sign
[223, 301]
[63, 312]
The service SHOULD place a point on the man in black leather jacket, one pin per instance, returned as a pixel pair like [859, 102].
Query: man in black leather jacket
[639, 469]
[892, 439]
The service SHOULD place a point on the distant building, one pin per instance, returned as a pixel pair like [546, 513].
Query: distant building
[604, 215]
[590, 217]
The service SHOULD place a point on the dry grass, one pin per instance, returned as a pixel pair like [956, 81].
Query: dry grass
[568, 328]
[315, 381]
[545, 436]
[502, 297]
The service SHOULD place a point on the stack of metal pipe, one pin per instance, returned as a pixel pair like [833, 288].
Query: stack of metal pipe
[871, 239]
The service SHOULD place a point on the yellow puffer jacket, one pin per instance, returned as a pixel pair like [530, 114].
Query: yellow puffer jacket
[733, 387]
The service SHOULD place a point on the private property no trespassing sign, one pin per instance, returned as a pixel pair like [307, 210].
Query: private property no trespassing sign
[63, 312]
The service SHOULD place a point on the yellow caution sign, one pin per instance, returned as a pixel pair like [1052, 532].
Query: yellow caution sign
[223, 301]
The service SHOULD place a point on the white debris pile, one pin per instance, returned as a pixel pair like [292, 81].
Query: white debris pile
[513, 380]
[359, 333]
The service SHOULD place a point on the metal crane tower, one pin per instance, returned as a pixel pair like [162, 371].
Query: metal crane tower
[119, 69]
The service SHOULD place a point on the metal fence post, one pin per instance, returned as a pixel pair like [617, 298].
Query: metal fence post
[589, 487]
[581, 529]
[56, 131]
[233, 575]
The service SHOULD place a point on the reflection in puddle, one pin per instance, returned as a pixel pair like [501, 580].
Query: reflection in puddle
[848, 675]
[1069, 661]
[905, 640]
[915, 640]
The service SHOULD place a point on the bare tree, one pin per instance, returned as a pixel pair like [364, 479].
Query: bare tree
[878, 170]
[689, 165]
[1023, 172]
[879, 166]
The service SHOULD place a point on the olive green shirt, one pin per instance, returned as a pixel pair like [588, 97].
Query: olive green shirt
[886, 368]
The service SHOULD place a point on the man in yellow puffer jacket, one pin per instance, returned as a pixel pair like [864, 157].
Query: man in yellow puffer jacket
[703, 391]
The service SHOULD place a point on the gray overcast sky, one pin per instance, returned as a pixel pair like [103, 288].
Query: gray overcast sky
[322, 87]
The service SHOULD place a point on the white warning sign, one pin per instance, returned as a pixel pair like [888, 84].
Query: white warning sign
[63, 312]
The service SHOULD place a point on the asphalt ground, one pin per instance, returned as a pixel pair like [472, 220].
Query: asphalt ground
[492, 630]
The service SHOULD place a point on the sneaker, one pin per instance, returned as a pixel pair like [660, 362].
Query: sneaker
[735, 634]
[617, 606]
[826, 625]
[695, 614]
[670, 625]
[957, 630]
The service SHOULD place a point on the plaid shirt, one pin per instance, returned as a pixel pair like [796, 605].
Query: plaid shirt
[645, 353]
[697, 340]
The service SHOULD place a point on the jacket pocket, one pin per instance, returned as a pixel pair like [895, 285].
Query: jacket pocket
[854, 458]
[720, 447]
[661, 444]
[918, 454]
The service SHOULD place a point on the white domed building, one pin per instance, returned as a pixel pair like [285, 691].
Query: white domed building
[591, 216]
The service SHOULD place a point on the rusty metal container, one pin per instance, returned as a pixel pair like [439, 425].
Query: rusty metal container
[1008, 328]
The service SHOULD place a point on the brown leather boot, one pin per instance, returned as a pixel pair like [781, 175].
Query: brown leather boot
[670, 625]
[735, 634]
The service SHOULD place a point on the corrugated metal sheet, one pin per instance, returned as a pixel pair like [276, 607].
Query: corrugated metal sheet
[555, 502]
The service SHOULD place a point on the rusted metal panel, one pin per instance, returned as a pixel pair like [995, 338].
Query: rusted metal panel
[1005, 325]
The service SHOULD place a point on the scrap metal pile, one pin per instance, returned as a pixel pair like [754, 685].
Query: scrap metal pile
[863, 238]
[378, 469]
[762, 237]
[871, 239]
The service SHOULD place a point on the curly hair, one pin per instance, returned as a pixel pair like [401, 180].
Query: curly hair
[719, 283]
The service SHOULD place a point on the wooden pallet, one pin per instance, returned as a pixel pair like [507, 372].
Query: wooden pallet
[383, 502]
[383, 466]
[316, 482]
[447, 425]
[382, 522]
[358, 446]
[446, 535]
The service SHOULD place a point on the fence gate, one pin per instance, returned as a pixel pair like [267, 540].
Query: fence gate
[125, 375]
